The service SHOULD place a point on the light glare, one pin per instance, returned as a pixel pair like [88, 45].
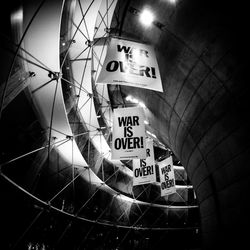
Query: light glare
[17, 16]
[134, 100]
[146, 17]
[172, 1]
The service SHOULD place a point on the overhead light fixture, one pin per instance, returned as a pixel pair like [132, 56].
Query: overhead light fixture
[146, 17]
[151, 134]
[172, 1]
[17, 16]
[129, 98]
[141, 104]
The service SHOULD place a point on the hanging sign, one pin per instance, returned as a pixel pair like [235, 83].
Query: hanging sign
[128, 134]
[130, 63]
[167, 179]
[144, 169]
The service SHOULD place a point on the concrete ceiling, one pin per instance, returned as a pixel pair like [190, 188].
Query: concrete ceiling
[202, 115]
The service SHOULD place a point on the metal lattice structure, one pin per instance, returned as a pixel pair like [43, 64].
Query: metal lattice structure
[66, 171]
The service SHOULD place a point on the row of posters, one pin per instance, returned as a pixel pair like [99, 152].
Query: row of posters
[134, 64]
[130, 143]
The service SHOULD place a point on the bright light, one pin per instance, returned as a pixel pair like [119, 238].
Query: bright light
[151, 134]
[134, 100]
[146, 17]
[131, 99]
[141, 104]
[172, 1]
[146, 122]
[17, 16]
[128, 98]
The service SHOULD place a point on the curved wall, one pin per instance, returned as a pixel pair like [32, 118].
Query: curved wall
[202, 113]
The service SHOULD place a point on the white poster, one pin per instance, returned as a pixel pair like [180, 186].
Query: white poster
[130, 63]
[128, 141]
[144, 169]
[167, 179]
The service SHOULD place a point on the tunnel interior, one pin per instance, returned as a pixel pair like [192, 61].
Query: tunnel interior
[200, 117]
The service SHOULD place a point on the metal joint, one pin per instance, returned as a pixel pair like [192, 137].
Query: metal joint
[32, 74]
[55, 75]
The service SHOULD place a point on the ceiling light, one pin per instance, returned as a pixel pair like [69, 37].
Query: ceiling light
[146, 17]
[151, 134]
[128, 98]
[17, 16]
[131, 99]
[134, 100]
[141, 104]
[172, 1]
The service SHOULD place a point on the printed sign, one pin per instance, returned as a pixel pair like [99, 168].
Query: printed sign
[144, 169]
[128, 134]
[130, 63]
[167, 179]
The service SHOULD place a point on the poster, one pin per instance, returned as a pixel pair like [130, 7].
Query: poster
[144, 169]
[167, 179]
[128, 138]
[130, 63]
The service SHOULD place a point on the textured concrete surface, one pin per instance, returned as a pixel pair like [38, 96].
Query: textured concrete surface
[203, 112]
